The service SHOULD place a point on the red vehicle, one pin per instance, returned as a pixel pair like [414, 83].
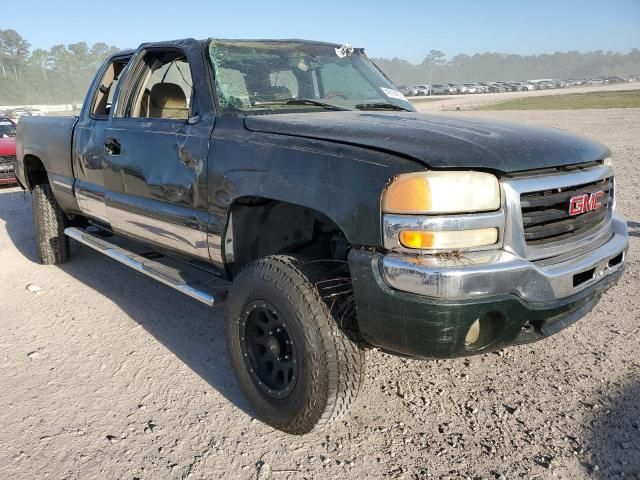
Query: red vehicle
[7, 151]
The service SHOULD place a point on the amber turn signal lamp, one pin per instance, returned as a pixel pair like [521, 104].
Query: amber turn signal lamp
[420, 240]
[450, 239]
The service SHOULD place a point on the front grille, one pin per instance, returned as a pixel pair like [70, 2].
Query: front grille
[577, 167]
[545, 214]
[7, 159]
[7, 167]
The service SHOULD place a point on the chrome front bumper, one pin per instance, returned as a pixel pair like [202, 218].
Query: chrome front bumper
[475, 275]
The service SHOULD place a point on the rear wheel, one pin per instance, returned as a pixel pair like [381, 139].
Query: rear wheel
[290, 355]
[49, 222]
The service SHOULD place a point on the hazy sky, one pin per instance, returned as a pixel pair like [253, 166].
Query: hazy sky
[406, 29]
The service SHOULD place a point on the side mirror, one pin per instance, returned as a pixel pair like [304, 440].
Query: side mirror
[193, 120]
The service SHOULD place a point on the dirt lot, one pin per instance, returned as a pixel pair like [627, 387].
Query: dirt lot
[106, 374]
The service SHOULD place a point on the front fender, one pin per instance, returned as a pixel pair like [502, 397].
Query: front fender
[343, 182]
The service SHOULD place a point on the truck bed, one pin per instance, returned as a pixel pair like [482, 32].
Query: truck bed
[49, 139]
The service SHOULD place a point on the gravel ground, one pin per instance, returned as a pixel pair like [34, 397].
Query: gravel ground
[106, 374]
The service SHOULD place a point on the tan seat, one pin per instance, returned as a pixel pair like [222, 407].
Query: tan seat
[272, 94]
[167, 100]
[145, 104]
[278, 92]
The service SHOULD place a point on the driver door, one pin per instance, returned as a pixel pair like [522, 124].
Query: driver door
[156, 145]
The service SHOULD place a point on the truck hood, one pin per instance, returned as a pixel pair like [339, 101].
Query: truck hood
[7, 146]
[440, 141]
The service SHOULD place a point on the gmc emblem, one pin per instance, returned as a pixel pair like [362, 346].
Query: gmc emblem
[585, 203]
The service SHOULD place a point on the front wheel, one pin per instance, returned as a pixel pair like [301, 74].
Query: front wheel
[49, 222]
[288, 347]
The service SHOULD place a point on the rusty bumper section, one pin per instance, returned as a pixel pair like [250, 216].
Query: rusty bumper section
[410, 308]
[482, 274]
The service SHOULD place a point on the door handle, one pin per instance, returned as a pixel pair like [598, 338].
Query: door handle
[112, 146]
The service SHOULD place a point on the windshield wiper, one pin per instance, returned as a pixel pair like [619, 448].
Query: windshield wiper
[381, 106]
[308, 101]
[299, 101]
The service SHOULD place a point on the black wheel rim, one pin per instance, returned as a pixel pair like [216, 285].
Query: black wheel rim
[268, 349]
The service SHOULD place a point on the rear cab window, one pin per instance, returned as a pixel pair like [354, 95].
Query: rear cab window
[103, 97]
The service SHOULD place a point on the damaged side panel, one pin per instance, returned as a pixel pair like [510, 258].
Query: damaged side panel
[48, 143]
[156, 187]
[342, 182]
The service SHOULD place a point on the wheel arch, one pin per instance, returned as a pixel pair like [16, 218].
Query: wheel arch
[258, 226]
[35, 172]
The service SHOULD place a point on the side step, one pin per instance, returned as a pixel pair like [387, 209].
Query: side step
[173, 277]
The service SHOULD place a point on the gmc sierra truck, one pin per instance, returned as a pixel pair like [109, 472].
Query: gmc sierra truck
[292, 180]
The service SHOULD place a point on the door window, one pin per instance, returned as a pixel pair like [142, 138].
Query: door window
[163, 89]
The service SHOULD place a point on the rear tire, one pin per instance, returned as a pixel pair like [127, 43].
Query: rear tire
[49, 222]
[292, 360]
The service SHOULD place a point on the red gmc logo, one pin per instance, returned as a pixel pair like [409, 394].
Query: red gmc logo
[585, 203]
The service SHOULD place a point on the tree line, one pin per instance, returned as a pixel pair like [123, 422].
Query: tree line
[487, 67]
[59, 75]
[62, 74]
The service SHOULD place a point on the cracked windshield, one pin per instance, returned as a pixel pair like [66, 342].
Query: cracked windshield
[270, 77]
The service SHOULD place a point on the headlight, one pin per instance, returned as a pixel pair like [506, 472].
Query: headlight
[442, 192]
[607, 161]
[441, 211]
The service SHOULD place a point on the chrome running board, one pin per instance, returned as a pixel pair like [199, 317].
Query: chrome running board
[172, 277]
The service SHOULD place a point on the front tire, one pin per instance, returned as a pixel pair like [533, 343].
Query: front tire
[49, 223]
[292, 360]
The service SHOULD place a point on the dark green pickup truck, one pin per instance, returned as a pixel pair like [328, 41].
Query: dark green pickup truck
[293, 180]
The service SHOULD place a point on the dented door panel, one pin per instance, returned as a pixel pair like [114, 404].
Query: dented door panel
[159, 223]
[156, 186]
[88, 163]
[91, 200]
[160, 160]
[88, 149]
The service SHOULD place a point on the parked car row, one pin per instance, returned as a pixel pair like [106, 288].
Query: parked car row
[510, 86]
[16, 113]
